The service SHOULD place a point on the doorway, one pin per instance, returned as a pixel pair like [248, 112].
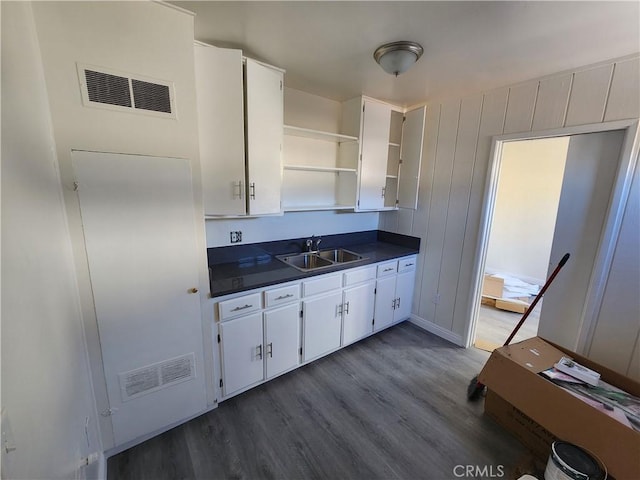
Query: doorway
[595, 188]
[520, 237]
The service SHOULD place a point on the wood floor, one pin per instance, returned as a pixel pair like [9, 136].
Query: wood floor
[392, 406]
[495, 325]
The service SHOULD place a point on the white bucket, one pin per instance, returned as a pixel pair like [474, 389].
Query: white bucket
[569, 462]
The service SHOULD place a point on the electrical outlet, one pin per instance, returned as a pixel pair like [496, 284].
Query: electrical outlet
[236, 237]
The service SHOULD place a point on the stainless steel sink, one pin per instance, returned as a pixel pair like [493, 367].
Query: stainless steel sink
[309, 261]
[340, 255]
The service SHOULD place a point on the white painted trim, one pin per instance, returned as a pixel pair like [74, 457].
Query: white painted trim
[436, 330]
[611, 229]
[102, 466]
[610, 233]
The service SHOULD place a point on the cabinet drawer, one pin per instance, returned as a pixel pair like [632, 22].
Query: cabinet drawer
[280, 296]
[323, 284]
[387, 268]
[408, 263]
[360, 275]
[239, 306]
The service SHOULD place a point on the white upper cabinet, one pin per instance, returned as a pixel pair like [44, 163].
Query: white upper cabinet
[219, 88]
[236, 182]
[265, 118]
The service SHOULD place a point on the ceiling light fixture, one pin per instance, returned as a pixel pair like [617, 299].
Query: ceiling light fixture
[397, 57]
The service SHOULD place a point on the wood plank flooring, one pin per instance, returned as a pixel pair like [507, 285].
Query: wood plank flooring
[495, 325]
[392, 406]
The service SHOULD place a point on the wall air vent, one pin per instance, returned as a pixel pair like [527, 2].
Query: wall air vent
[106, 88]
[152, 378]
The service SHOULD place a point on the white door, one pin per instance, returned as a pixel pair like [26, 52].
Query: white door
[385, 302]
[282, 339]
[358, 312]
[590, 171]
[411, 155]
[242, 352]
[322, 324]
[219, 89]
[375, 152]
[140, 234]
[265, 119]
[404, 295]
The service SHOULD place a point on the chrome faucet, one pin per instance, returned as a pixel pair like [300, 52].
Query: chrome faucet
[313, 244]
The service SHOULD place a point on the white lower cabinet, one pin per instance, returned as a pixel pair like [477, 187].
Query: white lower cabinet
[394, 293]
[282, 339]
[267, 332]
[321, 325]
[357, 309]
[242, 352]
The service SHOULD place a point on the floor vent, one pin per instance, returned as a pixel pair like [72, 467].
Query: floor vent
[154, 377]
[105, 88]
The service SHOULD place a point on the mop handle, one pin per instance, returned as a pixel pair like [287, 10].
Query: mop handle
[538, 297]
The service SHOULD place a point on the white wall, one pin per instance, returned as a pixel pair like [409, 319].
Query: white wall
[46, 386]
[149, 39]
[289, 225]
[456, 154]
[526, 206]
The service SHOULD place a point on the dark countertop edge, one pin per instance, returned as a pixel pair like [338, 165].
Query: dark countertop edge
[376, 245]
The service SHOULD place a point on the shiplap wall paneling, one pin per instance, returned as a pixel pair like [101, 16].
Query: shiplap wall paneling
[589, 94]
[520, 107]
[405, 220]
[624, 95]
[552, 102]
[458, 206]
[421, 218]
[389, 221]
[434, 241]
[494, 108]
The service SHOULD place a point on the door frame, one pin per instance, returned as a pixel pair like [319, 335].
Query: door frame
[610, 232]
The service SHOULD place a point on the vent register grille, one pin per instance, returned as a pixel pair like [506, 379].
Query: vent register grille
[159, 375]
[106, 88]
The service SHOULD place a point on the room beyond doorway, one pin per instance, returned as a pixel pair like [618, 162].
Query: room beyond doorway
[520, 238]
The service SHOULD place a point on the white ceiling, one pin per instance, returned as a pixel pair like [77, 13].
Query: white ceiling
[327, 47]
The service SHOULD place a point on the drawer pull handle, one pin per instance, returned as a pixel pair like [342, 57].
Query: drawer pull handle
[259, 351]
[241, 308]
[387, 269]
[270, 349]
[393, 305]
[398, 302]
[346, 310]
[282, 297]
[408, 264]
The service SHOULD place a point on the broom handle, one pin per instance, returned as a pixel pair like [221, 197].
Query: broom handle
[538, 297]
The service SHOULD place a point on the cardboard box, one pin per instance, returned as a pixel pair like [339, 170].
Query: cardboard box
[537, 411]
[492, 286]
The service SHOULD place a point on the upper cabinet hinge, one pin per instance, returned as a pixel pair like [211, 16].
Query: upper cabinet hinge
[218, 338]
[300, 313]
[363, 108]
[75, 186]
[400, 162]
[220, 383]
[280, 84]
[404, 118]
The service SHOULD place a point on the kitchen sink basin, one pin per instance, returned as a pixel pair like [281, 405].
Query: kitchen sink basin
[339, 255]
[309, 261]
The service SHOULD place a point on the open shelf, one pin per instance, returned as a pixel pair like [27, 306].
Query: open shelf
[312, 168]
[318, 134]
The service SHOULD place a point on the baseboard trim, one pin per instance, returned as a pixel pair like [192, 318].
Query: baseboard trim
[437, 330]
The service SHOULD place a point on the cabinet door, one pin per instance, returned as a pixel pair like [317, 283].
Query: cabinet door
[242, 352]
[412, 137]
[322, 323]
[385, 302]
[404, 295]
[221, 129]
[375, 150]
[282, 339]
[265, 117]
[358, 312]
[148, 317]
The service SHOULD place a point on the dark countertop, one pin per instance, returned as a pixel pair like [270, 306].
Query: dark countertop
[245, 267]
